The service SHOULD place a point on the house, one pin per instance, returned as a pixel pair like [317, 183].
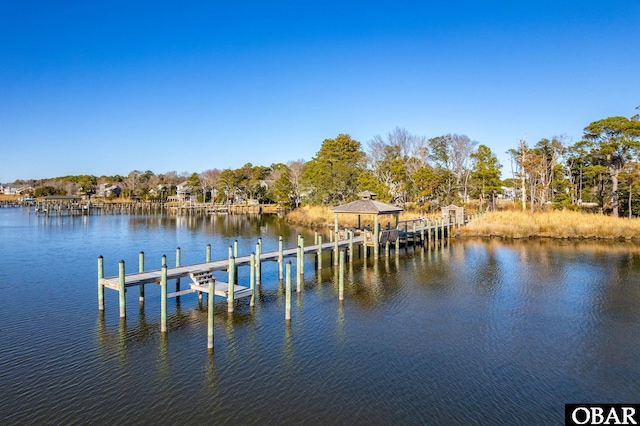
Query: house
[508, 192]
[9, 190]
[106, 190]
[183, 193]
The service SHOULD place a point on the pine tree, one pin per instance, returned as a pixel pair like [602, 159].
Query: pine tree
[486, 173]
[331, 177]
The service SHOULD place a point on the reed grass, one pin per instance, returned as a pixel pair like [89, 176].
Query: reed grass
[555, 224]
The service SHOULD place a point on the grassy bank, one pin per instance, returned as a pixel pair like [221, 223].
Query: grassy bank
[556, 224]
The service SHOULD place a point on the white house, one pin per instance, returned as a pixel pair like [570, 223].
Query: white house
[183, 193]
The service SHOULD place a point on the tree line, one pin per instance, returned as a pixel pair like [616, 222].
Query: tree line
[602, 169]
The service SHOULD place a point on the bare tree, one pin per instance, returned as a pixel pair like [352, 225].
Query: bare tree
[209, 181]
[461, 149]
[519, 156]
[131, 182]
[392, 160]
[522, 160]
[451, 155]
[549, 153]
[295, 171]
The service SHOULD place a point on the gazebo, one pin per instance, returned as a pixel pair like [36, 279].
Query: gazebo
[367, 206]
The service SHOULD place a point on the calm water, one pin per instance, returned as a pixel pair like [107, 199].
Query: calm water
[471, 333]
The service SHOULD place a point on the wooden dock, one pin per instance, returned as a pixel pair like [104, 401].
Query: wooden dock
[154, 276]
[342, 244]
[77, 206]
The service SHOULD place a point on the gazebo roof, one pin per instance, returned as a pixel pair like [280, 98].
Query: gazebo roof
[367, 206]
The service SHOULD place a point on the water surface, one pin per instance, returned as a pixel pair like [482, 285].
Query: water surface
[473, 332]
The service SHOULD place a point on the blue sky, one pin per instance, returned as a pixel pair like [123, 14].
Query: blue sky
[104, 88]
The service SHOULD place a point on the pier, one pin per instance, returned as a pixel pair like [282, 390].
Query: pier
[344, 245]
[76, 206]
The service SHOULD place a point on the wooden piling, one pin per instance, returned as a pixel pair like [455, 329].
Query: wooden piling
[287, 310]
[299, 268]
[163, 299]
[406, 235]
[121, 290]
[341, 277]
[435, 232]
[178, 258]
[301, 245]
[258, 262]
[235, 255]
[319, 252]
[280, 259]
[210, 310]
[100, 285]
[350, 246]
[335, 249]
[415, 234]
[376, 237]
[232, 280]
[365, 250]
[252, 279]
[207, 259]
[141, 269]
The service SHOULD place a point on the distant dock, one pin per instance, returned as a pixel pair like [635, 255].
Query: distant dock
[76, 206]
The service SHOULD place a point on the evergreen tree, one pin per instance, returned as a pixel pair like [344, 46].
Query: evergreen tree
[425, 183]
[614, 141]
[486, 173]
[193, 183]
[282, 190]
[331, 177]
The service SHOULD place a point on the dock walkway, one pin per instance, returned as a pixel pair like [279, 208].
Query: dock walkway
[154, 276]
[413, 232]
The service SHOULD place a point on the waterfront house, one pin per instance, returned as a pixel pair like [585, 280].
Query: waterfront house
[183, 194]
[106, 190]
[9, 190]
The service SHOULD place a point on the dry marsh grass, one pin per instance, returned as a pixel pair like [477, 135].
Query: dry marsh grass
[556, 224]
